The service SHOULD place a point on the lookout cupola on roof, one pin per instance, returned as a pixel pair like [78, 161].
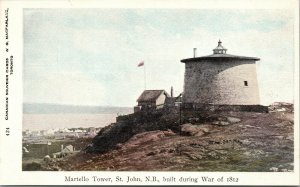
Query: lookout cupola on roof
[219, 49]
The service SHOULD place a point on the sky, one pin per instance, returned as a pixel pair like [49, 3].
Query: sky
[90, 56]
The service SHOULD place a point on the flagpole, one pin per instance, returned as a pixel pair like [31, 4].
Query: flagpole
[145, 76]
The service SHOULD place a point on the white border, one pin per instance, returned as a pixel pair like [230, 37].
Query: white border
[10, 147]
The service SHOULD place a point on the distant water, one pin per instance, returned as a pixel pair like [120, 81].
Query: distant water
[52, 121]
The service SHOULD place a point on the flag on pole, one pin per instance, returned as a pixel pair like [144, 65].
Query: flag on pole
[140, 64]
[143, 64]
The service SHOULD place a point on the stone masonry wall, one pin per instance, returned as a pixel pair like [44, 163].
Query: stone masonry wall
[221, 82]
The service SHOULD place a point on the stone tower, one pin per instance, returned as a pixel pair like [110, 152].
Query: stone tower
[221, 79]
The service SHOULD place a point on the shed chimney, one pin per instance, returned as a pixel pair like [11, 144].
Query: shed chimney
[195, 52]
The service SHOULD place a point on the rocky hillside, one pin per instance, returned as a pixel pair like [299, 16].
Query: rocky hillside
[129, 125]
[223, 141]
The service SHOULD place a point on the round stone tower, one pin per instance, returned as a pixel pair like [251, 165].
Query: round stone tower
[221, 79]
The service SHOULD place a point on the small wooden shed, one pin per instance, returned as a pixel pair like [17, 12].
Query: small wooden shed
[152, 99]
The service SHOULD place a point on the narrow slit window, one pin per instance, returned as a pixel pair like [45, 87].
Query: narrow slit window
[245, 83]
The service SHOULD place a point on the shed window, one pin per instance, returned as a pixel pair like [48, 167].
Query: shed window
[245, 83]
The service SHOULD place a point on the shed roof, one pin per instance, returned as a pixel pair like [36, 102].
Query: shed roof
[151, 95]
[172, 100]
[68, 148]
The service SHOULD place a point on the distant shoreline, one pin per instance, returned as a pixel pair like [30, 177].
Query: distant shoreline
[37, 122]
[43, 108]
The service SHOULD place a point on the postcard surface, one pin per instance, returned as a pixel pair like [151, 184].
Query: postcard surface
[149, 93]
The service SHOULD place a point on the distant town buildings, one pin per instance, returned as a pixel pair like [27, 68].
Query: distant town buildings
[40, 136]
[50, 143]
[69, 149]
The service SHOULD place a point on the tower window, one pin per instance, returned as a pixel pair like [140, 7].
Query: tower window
[245, 83]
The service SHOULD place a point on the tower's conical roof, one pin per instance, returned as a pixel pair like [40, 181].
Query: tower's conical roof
[219, 53]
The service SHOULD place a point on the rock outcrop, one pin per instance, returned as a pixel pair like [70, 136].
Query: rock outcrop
[128, 126]
[167, 118]
[158, 142]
